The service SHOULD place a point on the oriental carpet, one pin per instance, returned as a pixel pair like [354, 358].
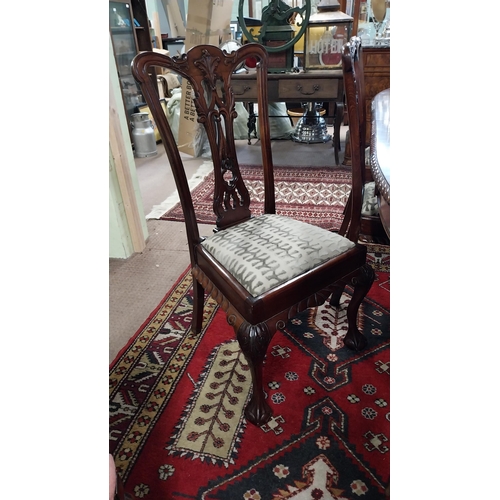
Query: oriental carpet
[301, 193]
[176, 427]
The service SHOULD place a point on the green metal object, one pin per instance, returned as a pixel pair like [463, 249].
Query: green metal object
[275, 18]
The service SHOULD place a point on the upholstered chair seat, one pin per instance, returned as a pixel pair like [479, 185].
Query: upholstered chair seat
[271, 249]
[370, 202]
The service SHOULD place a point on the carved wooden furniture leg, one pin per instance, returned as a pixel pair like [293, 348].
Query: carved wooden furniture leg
[251, 123]
[198, 303]
[347, 153]
[336, 294]
[354, 339]
[254, 341]
[339, 116]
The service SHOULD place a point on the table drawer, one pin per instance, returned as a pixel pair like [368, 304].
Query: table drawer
[319, 89]
[245, 89]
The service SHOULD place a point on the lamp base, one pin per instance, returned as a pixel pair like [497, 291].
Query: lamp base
[311, 127]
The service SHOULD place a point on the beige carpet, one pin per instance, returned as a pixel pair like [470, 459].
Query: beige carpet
[137, 284]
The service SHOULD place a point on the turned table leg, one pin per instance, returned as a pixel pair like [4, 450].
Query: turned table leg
[251, 124]
[339, 116]
[347, 153]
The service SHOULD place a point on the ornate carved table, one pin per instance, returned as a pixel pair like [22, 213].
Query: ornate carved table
[380, 158]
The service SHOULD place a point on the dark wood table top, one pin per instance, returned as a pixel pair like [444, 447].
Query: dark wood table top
[380, 148]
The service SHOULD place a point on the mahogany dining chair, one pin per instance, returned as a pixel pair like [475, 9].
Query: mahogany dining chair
[371, 227]
[261, 269]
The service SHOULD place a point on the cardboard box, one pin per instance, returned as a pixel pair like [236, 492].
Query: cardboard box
[208, 22]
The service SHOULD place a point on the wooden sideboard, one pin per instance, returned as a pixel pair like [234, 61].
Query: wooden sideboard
[377, 70]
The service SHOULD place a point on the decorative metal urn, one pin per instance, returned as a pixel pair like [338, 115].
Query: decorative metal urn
[312, 126]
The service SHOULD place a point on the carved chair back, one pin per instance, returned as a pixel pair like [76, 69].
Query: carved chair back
[207, 70]
[354, 86]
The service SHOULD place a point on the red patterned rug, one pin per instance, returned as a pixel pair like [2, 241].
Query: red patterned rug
[176, 428]
[301, 193]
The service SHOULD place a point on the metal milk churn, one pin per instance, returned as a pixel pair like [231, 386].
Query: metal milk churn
[143, 135]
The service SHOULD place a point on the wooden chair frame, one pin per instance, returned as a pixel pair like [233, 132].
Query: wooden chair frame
[371, 228]
[254, 319]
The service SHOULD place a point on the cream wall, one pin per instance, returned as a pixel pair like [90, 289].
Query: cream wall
[120, 241]
[127, 224]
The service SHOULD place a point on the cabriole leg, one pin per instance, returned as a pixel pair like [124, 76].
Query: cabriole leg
[354, 339]
[254, 341]
[337, 294]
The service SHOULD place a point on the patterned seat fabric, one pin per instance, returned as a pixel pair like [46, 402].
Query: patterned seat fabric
[370, 202]
[268, 250]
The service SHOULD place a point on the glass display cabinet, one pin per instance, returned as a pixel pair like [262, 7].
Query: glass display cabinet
[129, 31]
[121, 26]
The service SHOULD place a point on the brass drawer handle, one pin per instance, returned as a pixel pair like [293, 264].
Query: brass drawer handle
[315, 89]
[246, 88]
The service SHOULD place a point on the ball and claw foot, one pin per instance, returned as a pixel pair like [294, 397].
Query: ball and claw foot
[258, 413]
[355, 341]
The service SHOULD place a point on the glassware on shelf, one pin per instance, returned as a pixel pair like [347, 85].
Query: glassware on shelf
[366, 32]
[386, 34]
[373, 25]
[379, 10]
